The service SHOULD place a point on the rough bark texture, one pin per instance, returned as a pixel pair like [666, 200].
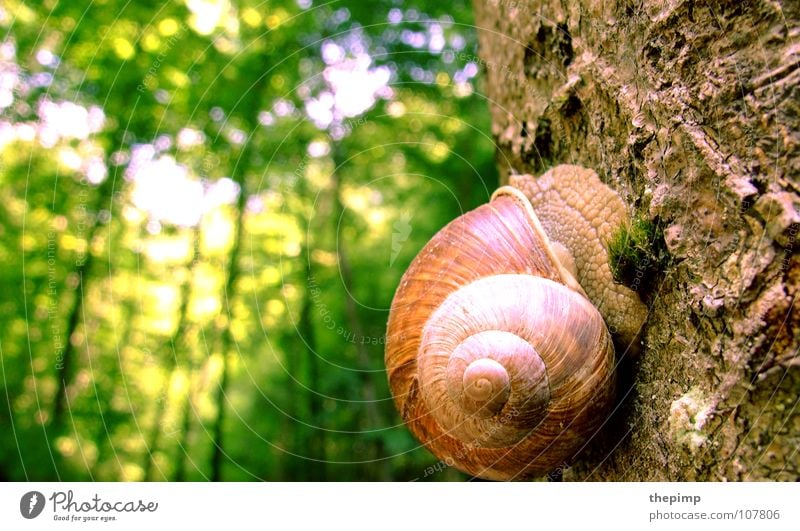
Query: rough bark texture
[690, 111]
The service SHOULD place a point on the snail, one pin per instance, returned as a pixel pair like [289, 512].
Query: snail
[499, 355]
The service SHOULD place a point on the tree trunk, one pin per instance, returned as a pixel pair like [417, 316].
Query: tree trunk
[309, 438]
[83, 270]
[371, 419]
[169, 354]
[227, 342]
[690, 111]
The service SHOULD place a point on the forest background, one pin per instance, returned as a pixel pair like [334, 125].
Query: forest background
[205, 208]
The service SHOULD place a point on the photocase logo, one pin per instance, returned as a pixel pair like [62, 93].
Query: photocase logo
[402, 230]
[31, 504]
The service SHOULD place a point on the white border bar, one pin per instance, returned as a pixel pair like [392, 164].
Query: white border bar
[408, 506]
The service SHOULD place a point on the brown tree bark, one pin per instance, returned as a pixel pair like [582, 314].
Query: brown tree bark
[690, 111]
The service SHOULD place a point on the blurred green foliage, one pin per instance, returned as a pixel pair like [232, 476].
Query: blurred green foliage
[205, 208]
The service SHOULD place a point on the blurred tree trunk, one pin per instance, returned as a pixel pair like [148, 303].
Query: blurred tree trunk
[66, 369]
[372, 416]
[690, 111]
[309, 440]
[172, 350]
[248, 160]
[194, 361]
[227, 342]
[306, 439]
[182, 454]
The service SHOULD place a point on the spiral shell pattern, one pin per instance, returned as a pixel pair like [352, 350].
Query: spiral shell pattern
[496, 360]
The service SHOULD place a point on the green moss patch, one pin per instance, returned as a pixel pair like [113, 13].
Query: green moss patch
[637, 254]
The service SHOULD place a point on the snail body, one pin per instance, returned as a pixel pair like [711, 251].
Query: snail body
[497, 359]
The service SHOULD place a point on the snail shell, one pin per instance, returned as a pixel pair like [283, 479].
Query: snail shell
[496, 359]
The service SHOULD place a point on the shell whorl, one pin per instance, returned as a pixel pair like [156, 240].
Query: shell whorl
[496, 361]
[486, 351]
